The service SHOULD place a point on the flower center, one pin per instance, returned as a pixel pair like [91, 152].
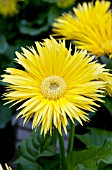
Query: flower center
[53, 87]
[107, 46]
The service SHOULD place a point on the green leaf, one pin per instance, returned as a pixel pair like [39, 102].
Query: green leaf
[108, 104]
[106, 60]
[33, 31]
[3, 44]
[88, 165]
[94, 137]
[92, 156]
[36, 148]
[52, 14]
[50, 163]
[104, 166]
[25, 164]
[5, 115]
[50, 1]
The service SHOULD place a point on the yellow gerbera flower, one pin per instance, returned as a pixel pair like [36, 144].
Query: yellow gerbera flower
[7, 167]
[8, 7]
[107, 77]
[65, 4]
[90, 27]
[54, 85]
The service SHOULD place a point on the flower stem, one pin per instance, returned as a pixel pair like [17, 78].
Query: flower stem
[54, 135]
[62, 152]
[71, 137]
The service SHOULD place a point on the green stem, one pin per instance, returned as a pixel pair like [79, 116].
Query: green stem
[54, 136]
[100, 60]
[62, 152]
[71, 137]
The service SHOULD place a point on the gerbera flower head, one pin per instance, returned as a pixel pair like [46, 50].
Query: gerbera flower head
[65, 4]
[89, 27]
[54, 85]
[7, 167]
[8, 7]
[107, 77]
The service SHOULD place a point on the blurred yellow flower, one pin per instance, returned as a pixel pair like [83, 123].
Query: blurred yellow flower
[54, 85]
[7, 167]
[8, 7]
[107, 77]
[90, 27]
[65, 4]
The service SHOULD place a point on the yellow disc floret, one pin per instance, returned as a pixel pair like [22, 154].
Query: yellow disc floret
[53, 87]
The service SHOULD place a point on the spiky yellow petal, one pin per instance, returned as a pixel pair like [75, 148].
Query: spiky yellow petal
[54, 85]
[90, 27]
[7, 167]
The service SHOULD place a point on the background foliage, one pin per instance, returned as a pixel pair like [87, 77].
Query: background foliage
[93, 141]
